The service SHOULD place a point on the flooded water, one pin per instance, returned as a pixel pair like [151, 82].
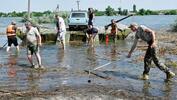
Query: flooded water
[65, 68]
[154, 21]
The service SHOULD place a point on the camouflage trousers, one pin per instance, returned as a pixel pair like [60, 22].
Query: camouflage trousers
[151, 56]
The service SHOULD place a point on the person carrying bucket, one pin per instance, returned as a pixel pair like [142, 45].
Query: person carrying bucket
[11, 36]
[148, 35]
[33, 43]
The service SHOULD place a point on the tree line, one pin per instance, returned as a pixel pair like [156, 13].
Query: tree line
[109, 11]
[24, 13]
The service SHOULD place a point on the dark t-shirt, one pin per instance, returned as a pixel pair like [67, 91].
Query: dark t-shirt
[92, 31]
[91, 16]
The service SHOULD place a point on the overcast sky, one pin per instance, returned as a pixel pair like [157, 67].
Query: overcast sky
[67, 5]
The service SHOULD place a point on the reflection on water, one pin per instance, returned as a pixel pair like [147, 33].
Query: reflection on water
[61, 64]
[12, 61]
[91, 56]
[146, 87]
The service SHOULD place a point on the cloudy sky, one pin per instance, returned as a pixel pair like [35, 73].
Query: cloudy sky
[67, 5]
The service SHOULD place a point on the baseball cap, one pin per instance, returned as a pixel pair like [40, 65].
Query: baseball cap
[133, 24]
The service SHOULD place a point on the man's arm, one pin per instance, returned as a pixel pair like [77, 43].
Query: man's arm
[133, 47]
[38, 37]
[116, 29]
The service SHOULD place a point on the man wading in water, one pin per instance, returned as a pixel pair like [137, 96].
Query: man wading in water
[33, 42]
[148, 35]
[61, 30]
[11, 36]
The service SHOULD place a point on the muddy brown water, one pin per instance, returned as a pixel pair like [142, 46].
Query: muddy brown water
[64, 77]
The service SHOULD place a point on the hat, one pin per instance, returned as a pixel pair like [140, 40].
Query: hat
[133, 24]
[28, 23]
[13, 23]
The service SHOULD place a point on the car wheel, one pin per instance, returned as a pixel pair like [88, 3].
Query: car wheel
[70, 28]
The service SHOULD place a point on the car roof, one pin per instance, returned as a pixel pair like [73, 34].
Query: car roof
[78, 11]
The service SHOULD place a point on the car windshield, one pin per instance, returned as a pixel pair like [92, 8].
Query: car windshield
[78, 15]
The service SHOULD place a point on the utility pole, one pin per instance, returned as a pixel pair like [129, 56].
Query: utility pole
[78, 4]
[28, 9]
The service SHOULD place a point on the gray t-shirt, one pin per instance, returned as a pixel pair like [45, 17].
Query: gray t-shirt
[31, 36]
[142, 34]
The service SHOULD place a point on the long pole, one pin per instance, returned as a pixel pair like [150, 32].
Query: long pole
[106, 27]
[28, 9]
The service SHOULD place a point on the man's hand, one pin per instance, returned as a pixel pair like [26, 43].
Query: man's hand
[39, 44]
[153, 45]
[129, 55]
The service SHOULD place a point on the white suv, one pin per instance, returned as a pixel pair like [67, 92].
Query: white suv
[78, 20]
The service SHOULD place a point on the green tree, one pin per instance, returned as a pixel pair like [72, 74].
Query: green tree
[120, 11]
[99, 13]
[3, 14]
[148, 12]
[48, 12]
[110, 11]
[171, 12]
[141, 12]
[125, 12]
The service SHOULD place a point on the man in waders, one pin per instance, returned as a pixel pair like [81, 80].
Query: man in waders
[11, 36]
[148, 35]
[91, 33]
[61, 30]
[90, 16]
[33, 42]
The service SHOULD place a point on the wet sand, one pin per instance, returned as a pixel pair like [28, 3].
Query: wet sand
[65, 79]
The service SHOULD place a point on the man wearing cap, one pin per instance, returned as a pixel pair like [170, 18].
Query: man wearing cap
[11, 36]
[33, 42]
[148, 35]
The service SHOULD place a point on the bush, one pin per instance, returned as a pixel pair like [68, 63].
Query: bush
[174, 26]
[46, 17]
